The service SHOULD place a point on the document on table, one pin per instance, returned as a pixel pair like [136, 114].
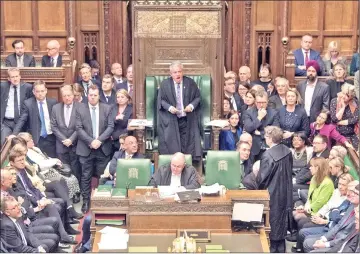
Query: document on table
[248, 212]
[169, 191]
[211, 189]
[113, 239]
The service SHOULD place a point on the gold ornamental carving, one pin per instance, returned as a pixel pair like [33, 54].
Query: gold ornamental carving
[177, 24]
[177, 2]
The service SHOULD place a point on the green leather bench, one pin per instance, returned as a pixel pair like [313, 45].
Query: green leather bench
[133, 173]
[166, 159]
[151, 86]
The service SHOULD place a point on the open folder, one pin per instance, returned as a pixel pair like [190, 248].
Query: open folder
[248, 212]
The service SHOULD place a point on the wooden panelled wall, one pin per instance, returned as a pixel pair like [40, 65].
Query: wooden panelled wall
[105, 28]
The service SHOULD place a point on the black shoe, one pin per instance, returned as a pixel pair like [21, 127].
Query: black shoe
[69, 240]
[295, 250]
[76, 198]
[71, 231]
[292, 237]
[73, 221]
[85, 207]
[73, 214]
[63, 245]
[80, 248]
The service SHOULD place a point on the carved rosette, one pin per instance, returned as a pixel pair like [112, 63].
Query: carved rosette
[106, 35]
[247, 32]
[177, 2]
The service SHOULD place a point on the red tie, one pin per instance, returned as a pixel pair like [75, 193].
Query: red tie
[131, 90]
[306, 57]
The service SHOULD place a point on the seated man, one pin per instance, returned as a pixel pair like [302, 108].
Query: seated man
[305, 54]
[85, 244]
[53, 58]
[244, 152]
[19, 58]
[16, 234]
[176, 174]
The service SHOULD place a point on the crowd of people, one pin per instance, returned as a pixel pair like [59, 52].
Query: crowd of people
[291, 141]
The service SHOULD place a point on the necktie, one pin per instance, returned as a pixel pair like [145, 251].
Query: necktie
[20, 63]
[178, 100]
[16, 105]
[306, 57]
[67, 115]
[93, 121]
[85, 85]
[107, 98]
[43, 132]
[21, 233]
[128, 156]
[130, 90]
[52, 62]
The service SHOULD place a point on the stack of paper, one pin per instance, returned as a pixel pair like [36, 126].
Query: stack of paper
[218, 123]
[109, 219]
[113, 239]
[209, 190]
[248, 212]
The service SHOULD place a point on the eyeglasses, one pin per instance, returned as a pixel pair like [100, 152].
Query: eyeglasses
[50, 49]
[15, 207]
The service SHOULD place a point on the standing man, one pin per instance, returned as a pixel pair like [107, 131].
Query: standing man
[117, 72]
[128, 84]
[94, 126]
[36, 112]
[19, 58]
[63, 125]
[107, 93]
[315, 94]
[275, 175]
[53, 58]
[13, 95]
[231, 94]
[178, 114]
[304, 54]
[86, 81]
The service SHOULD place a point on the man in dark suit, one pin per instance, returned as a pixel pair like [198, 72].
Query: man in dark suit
[176, 174]
[256, 119]
[18, 236]
[230, 93]
[63, 125]
[277, 99]
[19, 58]
[117, 72]
[315, 94]
[129, 151]
[13, 95]
[37, 111]
[107, 93]
[128, 84]
[86, 80]
[178, 108]
[94, 126]
[305, 54]
[53, 58]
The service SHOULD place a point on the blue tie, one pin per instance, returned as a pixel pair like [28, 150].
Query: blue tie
[93, 121]
[43, 132]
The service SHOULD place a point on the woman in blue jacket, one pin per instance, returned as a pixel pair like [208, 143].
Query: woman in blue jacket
[229, 138]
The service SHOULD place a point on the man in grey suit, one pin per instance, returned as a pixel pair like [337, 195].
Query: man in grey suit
[63, 125]
[315, 94]
[19, 58]
[176, 174]
[94, 126]
[36, 112]
[13, 95]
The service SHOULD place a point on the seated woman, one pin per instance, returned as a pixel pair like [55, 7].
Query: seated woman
[331, 58]
[340, 151]
[227, 107]
[293, 117]
[47, 165]
[337, 168]
[337, 80]
[345, 113]
[242, 89]
[122, 112]
[320, 190]
[354, 67]
[324, 127]
[264, 76]
[229, 138]
[302, 153]
[277, 100]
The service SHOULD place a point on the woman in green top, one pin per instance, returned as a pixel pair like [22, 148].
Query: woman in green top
[340, 151]
[320, 190]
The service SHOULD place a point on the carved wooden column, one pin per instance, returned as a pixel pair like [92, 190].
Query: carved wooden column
[215, 130]
[290, 68]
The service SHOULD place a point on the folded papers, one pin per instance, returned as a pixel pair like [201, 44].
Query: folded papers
[113, 239]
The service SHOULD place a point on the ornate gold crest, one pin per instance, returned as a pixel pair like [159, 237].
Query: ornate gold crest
[133, 173]
[222, 165]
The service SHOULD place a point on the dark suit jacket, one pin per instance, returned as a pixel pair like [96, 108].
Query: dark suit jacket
[252, 123]
[60, 130]
[11, 61]
[84, 129]
[351, 243]
[25, 93]
[30, 113]
[12, 237]
[121, 155]
[45, 62]
[29, 201]
[37, 195]
[227, 141]
[275, 102]
[189, 177]
[301, 123]
[123, 85]
[335, 87]
[299, 60]
[320, 99]
[120, 126]
[112, 99]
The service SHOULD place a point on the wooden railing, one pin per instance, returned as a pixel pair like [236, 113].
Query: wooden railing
[5, 150]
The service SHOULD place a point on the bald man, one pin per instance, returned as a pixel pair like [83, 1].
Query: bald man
[244, 76]
[246, 137]
[53, 58]
[176, 174]
[129, 151]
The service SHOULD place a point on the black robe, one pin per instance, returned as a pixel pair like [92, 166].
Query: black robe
[275, 174]
[167, 123]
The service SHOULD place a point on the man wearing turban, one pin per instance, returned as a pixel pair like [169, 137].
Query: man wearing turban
[315, 94]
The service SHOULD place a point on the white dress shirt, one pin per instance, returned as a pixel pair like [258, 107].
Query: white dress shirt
[46, 116]
[97, 117]
[309, 92]
[175, 180]
[19, 60]
[55, 60]
[9, 111]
